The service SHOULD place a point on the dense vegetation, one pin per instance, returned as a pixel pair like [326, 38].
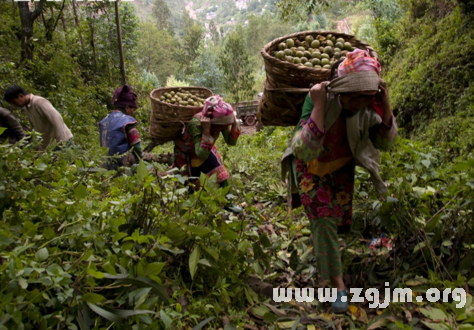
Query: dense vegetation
[83, 248]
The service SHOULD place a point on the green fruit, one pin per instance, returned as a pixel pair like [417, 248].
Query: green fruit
[324, 61]
[337, 50]
[329, 43]
[333, 39]
[315, 61]
[301, 48]
[321, 49]
[315, 44]
[309, 39]
[328, 50]
[318, 66]
[307, 54]
[299, 53]
[172, 93]
[162, 98]
[296, 60]
[337, 55]
[288, 52]
[280, 55]
[304, 59]
[341, 40]
[316, 55]
[282, 46]
[308, 64]
[305, 45]
[339, 45]
[325, 56]
[289, 59]
[329, 36]
[327, 66]
[348, 46]
[173, 100]
[290, 43]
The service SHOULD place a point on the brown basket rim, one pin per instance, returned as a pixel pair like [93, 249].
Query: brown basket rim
[304, 69]
[159, 102]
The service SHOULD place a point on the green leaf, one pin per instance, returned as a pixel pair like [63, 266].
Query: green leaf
[117, 314]
[193, 260]
[95, 274]
[142, 171]
[229, 235]
[93, 298]
[5, 241]
[265, 241]
[200, 231]
[42, 254]
[419, 246]
[104, 313]
[154, 268]
[143, 282]
[203, 323]
[166, 319]
[80, 191]
[2, 129]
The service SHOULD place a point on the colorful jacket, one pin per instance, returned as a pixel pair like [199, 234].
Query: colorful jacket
[114, 135]
[363, 134]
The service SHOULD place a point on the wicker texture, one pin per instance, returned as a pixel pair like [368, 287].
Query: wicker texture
[167, 120]
[287, 84]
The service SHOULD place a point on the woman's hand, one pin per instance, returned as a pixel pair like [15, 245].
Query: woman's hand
[206, 125]
[319, 98]
[385, 98]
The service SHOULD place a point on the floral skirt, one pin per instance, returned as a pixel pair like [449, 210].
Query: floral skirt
[327, 201]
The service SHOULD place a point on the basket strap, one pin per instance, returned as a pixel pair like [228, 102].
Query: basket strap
[290, 90]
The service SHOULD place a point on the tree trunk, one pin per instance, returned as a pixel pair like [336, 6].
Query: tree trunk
[77, 24]
[27, 19]
[119, 36]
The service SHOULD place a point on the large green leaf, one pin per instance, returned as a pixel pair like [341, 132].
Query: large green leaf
[144, 282]
[80, 191]
[142, 171]
[193, 260]
[117, 314]
[93, 298]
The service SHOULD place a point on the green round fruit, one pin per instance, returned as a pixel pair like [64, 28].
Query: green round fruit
[315, 61]
[296, 60]
[289, 59]
[318, 66]
[329, 43]
[327, 66]
[324, 61]
[288, 52]
[337, 55]
[301, 48]
[172, 93]
[316, 55]
[333, 39]
[299, 53]
[162, 98]
[348, 46]
[282, 46]
[309, 39]
[308, 64]
[337, 50]
[307, 54]
[290, 43]
[341, 40]
[321, 49]
[304, 59]
[328, 50]
[339, 45]
[315, 44]
[325, 56]
[280, 55]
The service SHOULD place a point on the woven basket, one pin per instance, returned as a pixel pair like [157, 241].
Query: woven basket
[167, 120]
[287, 84]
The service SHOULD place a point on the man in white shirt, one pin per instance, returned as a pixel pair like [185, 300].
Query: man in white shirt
[42, 115]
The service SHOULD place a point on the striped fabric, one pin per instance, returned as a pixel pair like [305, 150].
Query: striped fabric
[357, 61]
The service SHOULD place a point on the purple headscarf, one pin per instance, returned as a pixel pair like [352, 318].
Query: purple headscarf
[124, 95]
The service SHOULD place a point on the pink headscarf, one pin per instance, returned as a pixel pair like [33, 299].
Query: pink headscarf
[357, 61]
[221, 112]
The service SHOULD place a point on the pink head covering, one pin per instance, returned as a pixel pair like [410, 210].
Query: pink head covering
[357, 61]
[124, 95]
[221, 112]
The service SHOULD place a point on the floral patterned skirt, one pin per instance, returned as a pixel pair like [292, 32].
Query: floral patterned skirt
[328, 203]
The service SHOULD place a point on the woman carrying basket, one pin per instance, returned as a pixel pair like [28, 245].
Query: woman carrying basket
[343, 124]
[195, 147]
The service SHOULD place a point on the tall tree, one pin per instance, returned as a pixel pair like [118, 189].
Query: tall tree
[213, 32]
[207, 72]
[193, 34]
[237, 68]
[162, 14]
[27, 19]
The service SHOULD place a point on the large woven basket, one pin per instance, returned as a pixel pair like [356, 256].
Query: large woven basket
[287, 84]
[167, 120]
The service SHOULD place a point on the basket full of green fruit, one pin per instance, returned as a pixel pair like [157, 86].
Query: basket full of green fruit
[171, 108]
[293, 64]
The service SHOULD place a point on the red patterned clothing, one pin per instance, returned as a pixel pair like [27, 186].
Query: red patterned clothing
[199, 153]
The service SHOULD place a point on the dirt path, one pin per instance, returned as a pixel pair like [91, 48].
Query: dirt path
[343, 26]
[248, 129]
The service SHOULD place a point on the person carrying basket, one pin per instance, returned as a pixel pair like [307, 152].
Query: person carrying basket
[344, 122]
[196, 149]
